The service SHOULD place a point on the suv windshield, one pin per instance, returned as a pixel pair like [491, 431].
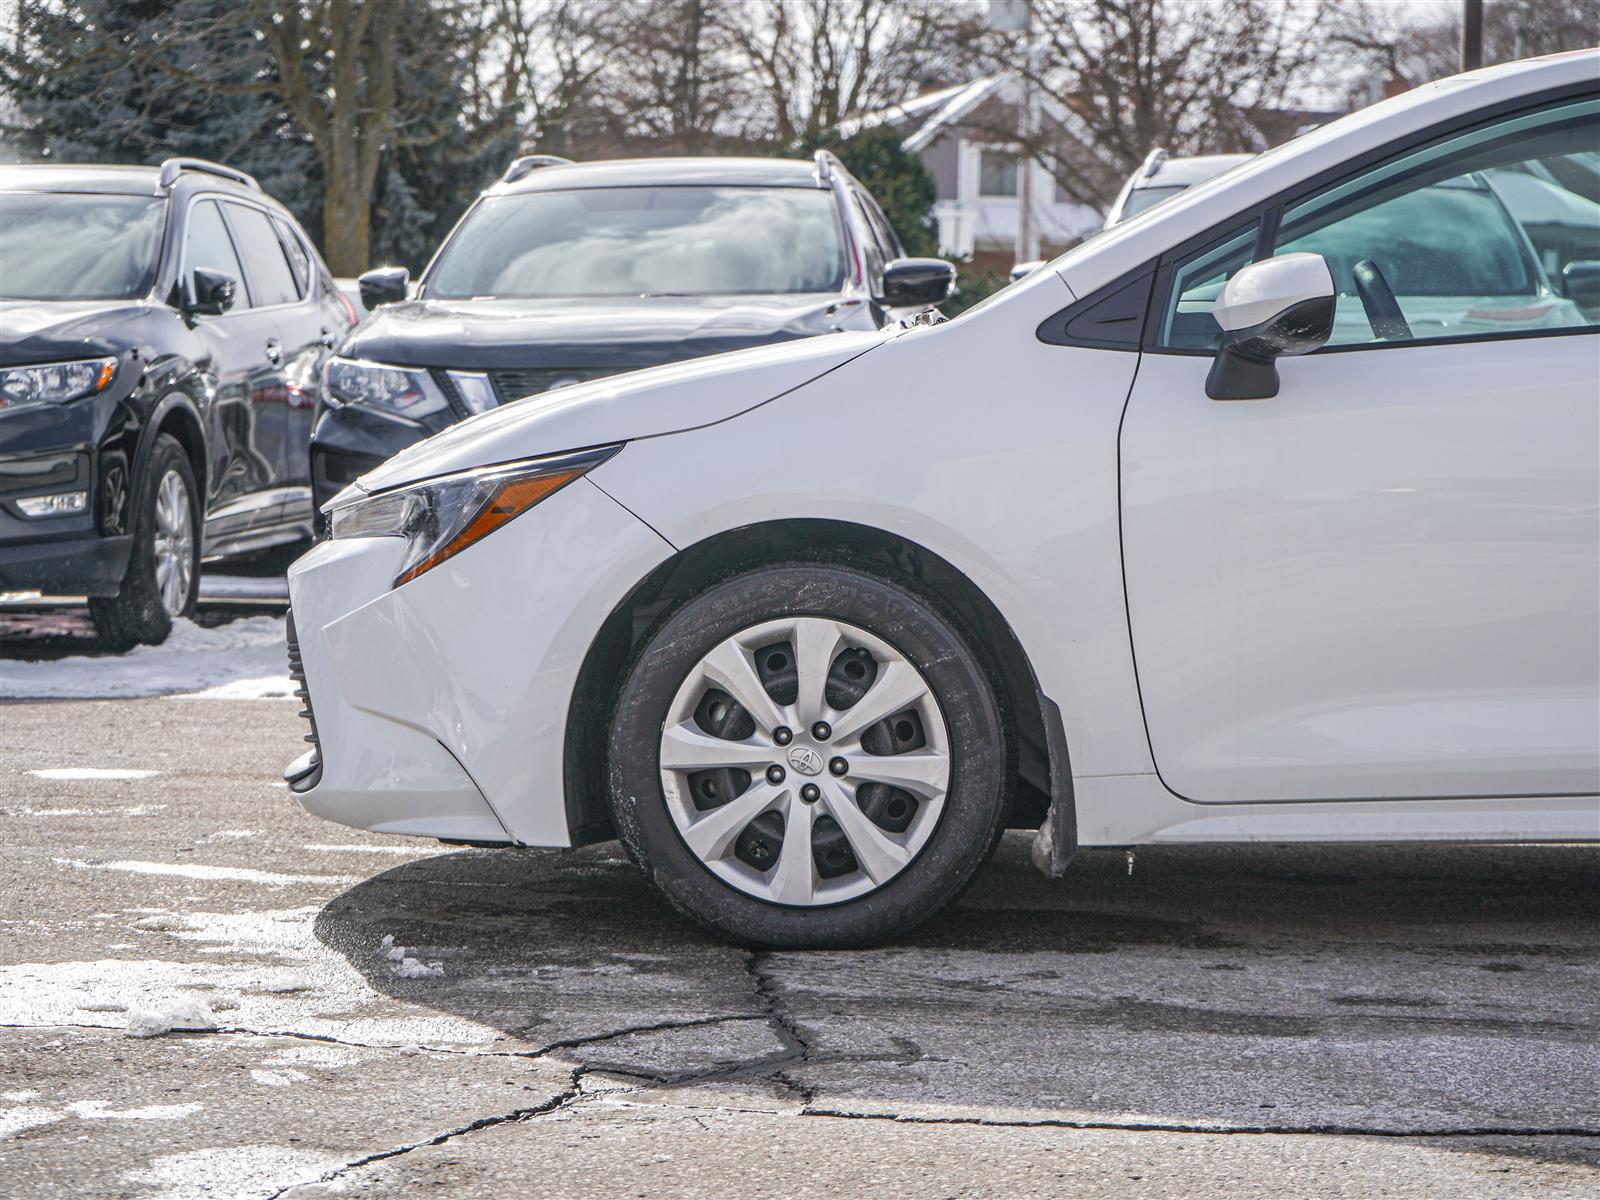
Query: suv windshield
[642, 241]
[74, 246]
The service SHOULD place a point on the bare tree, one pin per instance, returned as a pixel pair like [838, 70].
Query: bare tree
[1127, 76]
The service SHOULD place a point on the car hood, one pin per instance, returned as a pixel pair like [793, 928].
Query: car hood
[36, 331]
[622, 333]
[619, 408]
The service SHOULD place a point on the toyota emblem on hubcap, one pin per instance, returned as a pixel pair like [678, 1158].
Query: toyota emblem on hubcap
[805, 760]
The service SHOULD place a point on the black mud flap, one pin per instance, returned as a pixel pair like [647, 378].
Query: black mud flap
[1057, 839]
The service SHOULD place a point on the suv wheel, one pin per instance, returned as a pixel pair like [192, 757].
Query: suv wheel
[808, 756]
[164, 569]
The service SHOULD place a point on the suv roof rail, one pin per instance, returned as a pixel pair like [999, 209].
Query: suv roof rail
[529, 163]
[173, 167]
[826, 161]
[1152, 163]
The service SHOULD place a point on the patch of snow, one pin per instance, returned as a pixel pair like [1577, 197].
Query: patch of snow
[232, 1173]
[83, 774]
[411, 968]
[19, 1097]
[15, 1120]
[103, 1006]
[101, 1110]
[279, 1078]
[51, 812]
[265, 687]
[186, 1014]
[191, 659]
[199, 871]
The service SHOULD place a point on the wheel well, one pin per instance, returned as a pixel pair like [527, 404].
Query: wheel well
[182, 424]
[694, 569]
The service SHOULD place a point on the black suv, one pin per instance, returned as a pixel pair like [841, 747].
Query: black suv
[565, 272]
[162, 332]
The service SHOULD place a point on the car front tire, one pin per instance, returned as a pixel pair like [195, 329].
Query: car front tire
[808, 756]
[163, 576]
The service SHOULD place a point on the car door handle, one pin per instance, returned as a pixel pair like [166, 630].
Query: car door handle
[327, 339]
[274, 351]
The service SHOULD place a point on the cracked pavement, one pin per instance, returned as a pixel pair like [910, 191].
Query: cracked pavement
[1272, 1021]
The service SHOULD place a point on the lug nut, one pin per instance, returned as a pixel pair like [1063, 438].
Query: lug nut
[838, 766]
[811, 793]
[782, 735]
[822, 731]
[774, 774]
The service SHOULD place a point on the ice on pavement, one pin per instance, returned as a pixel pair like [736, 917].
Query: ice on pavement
[406, 965]
[185, 1014]
[241, 660]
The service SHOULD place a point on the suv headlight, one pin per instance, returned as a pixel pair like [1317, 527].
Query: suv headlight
[441, 517]
[409, 392]
[54, 383]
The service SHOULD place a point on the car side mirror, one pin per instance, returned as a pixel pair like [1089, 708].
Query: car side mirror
[385, 285]
[1281, 305]
[916, 282]
[1580, 282]
[211, 293]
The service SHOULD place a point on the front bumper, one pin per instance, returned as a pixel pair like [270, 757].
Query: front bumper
[441, 706]
[71, 566]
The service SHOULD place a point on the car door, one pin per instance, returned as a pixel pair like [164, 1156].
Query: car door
[241, 468]
[1382, 582]
[320, 320]
[286, 330]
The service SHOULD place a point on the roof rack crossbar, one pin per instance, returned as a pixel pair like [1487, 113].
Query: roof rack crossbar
[173, 167]
[530, 163]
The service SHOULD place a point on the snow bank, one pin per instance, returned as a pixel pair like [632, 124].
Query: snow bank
[242, 660]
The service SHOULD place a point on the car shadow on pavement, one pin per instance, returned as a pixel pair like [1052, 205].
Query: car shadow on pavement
[1385, 991]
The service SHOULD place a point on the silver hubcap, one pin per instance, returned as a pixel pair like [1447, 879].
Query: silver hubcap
[805, 761]
[174, 533]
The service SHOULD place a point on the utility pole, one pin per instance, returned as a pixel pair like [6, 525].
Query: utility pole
[1471, 34]
[1016, 16]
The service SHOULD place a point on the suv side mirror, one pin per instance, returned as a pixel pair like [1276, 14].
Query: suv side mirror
[1580, 282]
[916, 282]
[1281, 305]
[211, 293]
[385, 285]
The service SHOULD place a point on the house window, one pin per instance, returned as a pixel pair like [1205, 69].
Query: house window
[997, 174]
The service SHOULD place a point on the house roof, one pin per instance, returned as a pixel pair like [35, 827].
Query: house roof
[929, 113]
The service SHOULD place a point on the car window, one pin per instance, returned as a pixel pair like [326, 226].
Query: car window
[871, 246]
[645, 241]
[1142, 198]
[299, 258]
[1197, 281]
[271, 280]
[1450, 230]
[887, 238]
[69, 246]
[210, 248]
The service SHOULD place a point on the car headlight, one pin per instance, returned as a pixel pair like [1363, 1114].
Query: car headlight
[439, 518]
[403, 390]
[54, 383]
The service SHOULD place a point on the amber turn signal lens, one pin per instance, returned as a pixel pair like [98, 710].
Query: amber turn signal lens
[107, 370]
[511, 499]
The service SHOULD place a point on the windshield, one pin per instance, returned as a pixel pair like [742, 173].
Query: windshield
[643, 241]
[1142, 198]
[74, 246]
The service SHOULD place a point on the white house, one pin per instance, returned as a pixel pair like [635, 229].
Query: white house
[960, 134]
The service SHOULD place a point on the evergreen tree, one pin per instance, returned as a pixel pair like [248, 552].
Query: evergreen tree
[897, 180]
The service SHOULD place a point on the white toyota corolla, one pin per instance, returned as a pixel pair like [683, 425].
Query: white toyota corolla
[1271, 514]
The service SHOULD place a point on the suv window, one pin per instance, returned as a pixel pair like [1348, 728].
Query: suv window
[299, 258]
[871, 245]
[209, 248]
[271, 280]
[1448, 229]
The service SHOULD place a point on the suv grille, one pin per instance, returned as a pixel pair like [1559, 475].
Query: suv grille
[304, 772]
[513, 383]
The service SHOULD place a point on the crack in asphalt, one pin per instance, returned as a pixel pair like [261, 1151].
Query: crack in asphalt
[569, 1096]
[783, 1023]
[1187, 1127]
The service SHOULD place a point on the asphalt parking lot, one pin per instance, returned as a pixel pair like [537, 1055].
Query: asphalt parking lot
[1255, 1021]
